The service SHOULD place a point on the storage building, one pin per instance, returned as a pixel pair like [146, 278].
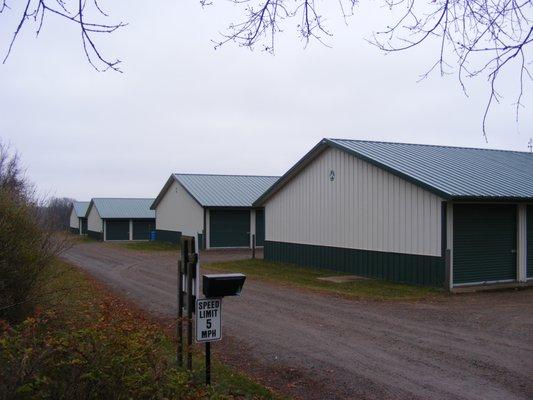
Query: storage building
[120, 219]
[78, 221]
[392, 210]
[217, 209]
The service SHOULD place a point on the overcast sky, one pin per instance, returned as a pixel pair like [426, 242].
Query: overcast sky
[181, 106]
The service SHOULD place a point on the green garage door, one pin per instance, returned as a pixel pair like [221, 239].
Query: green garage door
[229, 228]
[529, 241]
[259, 227]
[484, 243]
[117, 229]
[83, 226]
[142, 228]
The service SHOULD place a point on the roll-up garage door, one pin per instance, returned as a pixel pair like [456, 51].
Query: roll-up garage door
[117, 229]
[529, 241]
[259, 227]
[229, 228]
[83, 226]
[484, 243]
[142, 228]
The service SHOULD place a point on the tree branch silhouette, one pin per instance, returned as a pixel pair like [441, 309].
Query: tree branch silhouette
[73, 12]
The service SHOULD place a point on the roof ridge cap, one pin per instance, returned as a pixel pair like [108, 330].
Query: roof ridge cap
[227, 175]
[429, 145]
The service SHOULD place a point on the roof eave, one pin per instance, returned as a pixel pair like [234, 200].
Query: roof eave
[91, 203]
[163, 191]
[492, 199]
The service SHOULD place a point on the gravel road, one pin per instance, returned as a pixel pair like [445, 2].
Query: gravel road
[315, 346]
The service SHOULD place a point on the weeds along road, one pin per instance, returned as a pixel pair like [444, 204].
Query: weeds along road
[316, 346]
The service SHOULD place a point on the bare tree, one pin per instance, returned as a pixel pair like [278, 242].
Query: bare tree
[57, 213]
[473, 38]
[479, 37]
[12, 176]
[74, 12]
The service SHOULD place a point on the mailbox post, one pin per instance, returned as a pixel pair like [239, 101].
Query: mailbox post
[188, 274]
[209, 310]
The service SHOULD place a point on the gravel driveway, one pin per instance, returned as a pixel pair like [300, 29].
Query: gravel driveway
[314, 346]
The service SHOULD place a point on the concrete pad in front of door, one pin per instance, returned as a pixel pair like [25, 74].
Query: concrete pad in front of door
[343, 278]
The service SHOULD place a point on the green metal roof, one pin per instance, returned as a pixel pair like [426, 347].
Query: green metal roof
[457, 173]
[80, 208]
[123, 208]
[221, 190]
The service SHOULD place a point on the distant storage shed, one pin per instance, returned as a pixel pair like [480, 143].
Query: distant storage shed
[120, 219]
[390, 211]
[78, 221]
[215, 208]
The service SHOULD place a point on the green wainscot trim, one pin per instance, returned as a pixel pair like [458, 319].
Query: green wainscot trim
[395, 267]
[168, 236]
[95, 235]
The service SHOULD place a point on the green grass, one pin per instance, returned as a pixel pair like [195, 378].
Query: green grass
[290, 274]
[148, 246]
[80, 238]
[84, 342]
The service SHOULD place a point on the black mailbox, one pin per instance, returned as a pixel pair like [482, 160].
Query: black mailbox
[221, 285]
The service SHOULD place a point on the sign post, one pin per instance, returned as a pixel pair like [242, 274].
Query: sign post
[208, 328]
[209, 310]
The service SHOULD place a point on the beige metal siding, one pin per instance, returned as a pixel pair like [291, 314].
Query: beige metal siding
[178, 211]
[94, 222]
[365, 207]
[74, 221]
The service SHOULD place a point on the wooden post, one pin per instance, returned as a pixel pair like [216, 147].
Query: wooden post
[191, 268]
[180, 315]
[182, 270]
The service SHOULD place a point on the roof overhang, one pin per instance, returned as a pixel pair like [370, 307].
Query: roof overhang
[167, 186]
[292, 172]
[163, 191]
[328, 143]
[490, 199]
[91, 204]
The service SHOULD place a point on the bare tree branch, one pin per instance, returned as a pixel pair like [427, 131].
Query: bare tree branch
[480, 37]
[35, 10]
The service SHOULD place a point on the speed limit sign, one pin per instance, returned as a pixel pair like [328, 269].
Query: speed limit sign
[208, 320]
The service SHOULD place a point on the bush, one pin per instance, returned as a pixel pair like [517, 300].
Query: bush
[27, 245]
[99, 360]
[25, 249]
[81, 343]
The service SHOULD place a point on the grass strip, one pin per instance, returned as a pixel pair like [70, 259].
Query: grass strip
[362, 289]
